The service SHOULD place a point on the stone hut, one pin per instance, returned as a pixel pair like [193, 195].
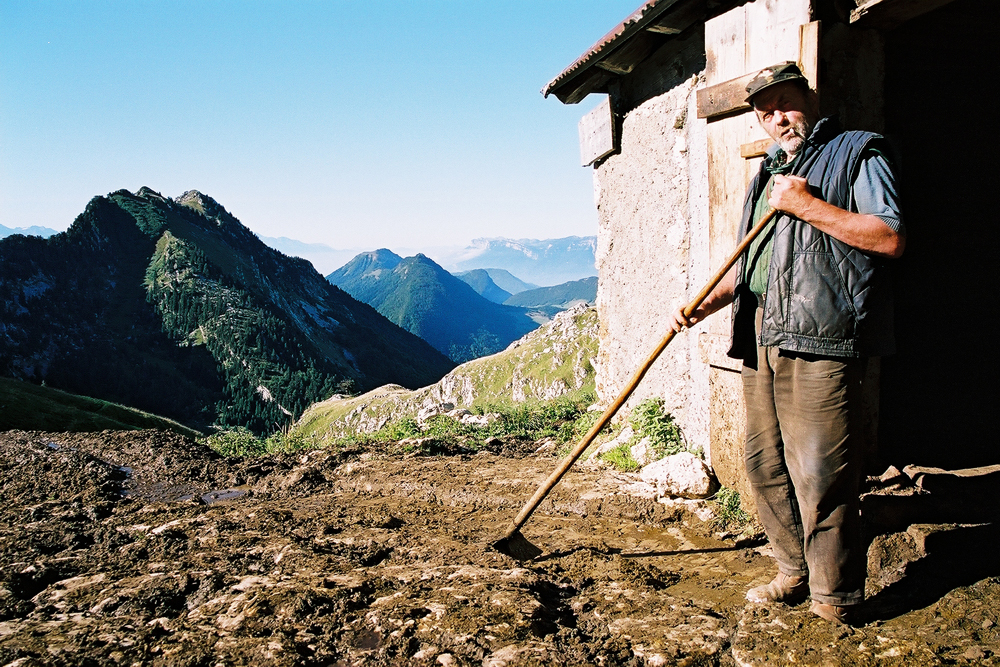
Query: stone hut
[672, 146]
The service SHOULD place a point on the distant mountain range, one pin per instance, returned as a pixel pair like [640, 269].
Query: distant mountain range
[423, 298]
[545, 262]
[563, 296]
[174, 307]
[34, 230]
[535, 262]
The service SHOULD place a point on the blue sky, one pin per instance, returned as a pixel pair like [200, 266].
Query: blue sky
[355, 124]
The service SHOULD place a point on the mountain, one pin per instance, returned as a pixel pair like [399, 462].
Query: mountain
[423, 298]
[545, 262]
[480, 280]
[507, 281]
[562, 296]
[175, 308]
[34, 230]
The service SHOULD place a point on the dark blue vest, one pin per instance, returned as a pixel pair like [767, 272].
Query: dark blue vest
[823, 296]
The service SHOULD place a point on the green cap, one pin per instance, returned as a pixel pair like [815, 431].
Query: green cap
[773, 75]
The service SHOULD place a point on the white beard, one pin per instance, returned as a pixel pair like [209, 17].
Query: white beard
[794, 139]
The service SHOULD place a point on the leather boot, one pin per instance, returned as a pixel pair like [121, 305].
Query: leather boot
[782, 588]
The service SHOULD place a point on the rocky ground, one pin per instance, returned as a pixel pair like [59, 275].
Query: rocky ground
[146, 548]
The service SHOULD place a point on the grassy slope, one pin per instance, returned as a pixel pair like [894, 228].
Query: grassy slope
[28, 407]
[549, 362]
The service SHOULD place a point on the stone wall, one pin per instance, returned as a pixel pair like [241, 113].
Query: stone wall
[652, 244]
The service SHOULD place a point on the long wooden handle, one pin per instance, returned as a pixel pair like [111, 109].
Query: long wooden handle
[613, 409]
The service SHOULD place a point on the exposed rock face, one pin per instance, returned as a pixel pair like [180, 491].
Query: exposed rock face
[547, 363]
[682, 475]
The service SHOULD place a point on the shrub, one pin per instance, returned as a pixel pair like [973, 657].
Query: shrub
[650, 420]
[237, 442]
[729, 512]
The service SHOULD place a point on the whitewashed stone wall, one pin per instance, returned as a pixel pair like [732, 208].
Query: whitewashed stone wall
[652, 254]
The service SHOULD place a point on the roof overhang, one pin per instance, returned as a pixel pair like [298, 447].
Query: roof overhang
[628, 44]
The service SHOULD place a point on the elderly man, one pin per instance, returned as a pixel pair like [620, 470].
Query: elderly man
[812, 303]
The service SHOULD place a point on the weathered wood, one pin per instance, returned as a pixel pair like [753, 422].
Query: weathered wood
[738, 44]
[597, 134]
[724, 98]
[680, 18]
[890, 13]
[593, 81]
[625, 58]
[809, 52]
[755, 148]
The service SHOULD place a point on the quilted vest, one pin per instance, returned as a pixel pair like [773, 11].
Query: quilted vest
[823, 296]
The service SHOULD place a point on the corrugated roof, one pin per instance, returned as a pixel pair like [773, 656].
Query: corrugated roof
[635, 22]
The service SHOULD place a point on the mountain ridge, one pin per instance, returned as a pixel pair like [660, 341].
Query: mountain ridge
[144, 292]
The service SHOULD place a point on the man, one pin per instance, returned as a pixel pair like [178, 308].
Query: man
[811, 304]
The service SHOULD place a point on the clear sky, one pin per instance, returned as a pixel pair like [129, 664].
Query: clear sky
[355, 124]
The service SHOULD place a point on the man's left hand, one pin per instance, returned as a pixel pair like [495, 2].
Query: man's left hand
[791, 194]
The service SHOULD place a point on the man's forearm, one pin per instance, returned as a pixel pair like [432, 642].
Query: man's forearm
[868, 233]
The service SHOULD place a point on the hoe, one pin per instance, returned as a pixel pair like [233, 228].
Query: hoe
[513, 543]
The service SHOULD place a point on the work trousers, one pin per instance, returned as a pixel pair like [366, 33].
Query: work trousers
[804, 460]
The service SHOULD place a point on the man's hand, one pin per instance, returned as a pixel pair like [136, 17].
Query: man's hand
[791, 194]
[720, 297]
[868, 233]
[678, 321]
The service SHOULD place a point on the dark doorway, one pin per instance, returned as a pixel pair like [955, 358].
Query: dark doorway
[938, 392]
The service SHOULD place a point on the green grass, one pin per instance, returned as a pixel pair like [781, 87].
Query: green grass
[28, 407]
[621, 458]
[563, 419]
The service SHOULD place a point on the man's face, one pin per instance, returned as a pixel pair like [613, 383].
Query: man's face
[787, 112]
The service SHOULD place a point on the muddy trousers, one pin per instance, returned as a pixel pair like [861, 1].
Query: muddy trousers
[804, 461]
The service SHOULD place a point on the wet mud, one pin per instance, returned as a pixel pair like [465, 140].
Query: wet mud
[146, 548]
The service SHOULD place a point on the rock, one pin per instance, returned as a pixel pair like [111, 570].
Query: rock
[434, 410]
[458, 413]
[683, 475]
[479, 420]
[643, 453]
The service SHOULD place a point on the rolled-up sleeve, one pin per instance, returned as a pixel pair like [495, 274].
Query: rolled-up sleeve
[875, 192]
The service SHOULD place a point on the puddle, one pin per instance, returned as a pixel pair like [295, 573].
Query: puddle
[219, 495]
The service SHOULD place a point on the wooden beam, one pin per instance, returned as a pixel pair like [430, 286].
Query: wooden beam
[724, 98]
[593, 81]
[679, 18]
[890, 13]
[624, 59]
[755, 148]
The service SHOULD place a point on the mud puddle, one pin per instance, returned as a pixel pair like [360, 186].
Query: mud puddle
[354, 558]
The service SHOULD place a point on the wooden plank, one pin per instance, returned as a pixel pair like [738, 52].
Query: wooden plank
[755, 148]
[724, 98]
[597, 134]
[772, 33]
[890, 13]
[809, 52]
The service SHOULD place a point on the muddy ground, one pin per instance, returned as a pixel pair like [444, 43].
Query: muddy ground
[146, 548]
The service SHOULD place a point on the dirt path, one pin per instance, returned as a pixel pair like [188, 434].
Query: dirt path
[353, 558]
